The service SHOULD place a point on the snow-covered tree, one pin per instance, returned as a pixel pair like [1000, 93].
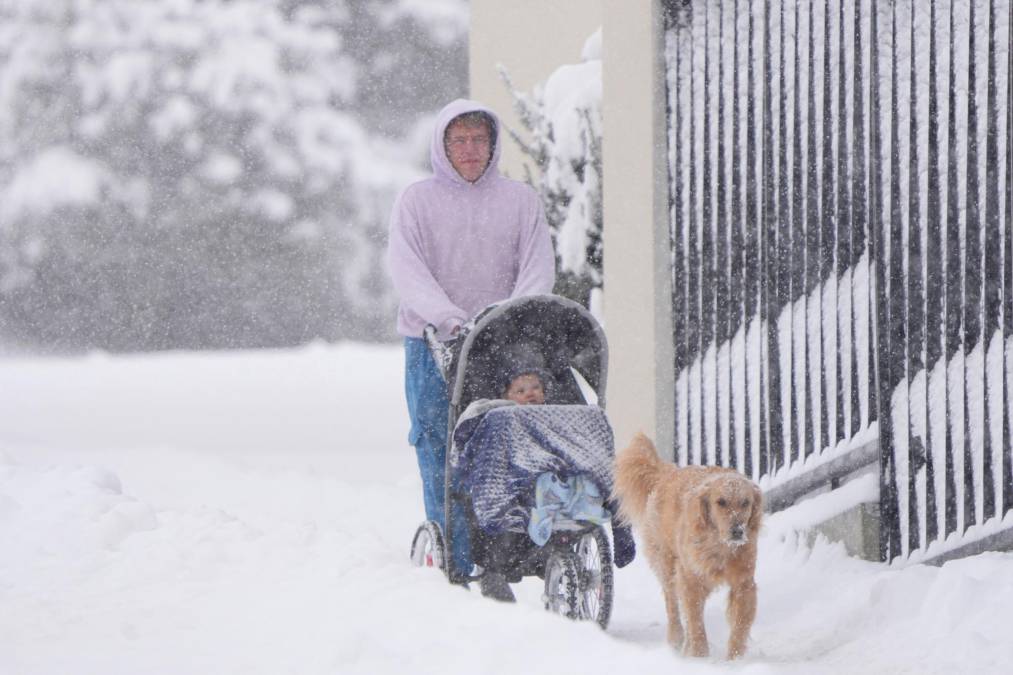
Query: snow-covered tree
[201, 174]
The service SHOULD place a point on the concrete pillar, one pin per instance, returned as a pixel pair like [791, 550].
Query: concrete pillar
[638, 286]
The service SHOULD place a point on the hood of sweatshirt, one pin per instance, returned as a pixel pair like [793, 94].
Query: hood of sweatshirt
[442, 168]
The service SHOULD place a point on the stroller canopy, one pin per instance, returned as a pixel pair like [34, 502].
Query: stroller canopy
[550, 333]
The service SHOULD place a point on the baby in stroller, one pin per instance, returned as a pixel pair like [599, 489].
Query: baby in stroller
[534, 478]
[526, 388]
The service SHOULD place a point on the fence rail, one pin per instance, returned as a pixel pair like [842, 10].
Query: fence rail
[842, 247]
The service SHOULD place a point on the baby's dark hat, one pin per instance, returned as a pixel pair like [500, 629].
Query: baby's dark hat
[520, 360]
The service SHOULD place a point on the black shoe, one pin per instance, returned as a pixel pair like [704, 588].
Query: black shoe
[495, 586]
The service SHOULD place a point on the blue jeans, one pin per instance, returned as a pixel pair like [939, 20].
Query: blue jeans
[428, 407]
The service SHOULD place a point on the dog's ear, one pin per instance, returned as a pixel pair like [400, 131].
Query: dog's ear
[700, 509]
[705, 510]
[757, 514]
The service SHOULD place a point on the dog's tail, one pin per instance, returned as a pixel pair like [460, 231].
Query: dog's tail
[638, 469]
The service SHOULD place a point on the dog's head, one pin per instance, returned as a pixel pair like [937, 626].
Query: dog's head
[731, 505]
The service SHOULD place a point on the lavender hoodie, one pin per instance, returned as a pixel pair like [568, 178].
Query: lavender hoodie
[456, 246]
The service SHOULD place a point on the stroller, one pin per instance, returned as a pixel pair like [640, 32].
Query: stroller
[569, 436]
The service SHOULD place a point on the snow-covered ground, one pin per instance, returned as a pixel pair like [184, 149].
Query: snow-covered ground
[252, 513]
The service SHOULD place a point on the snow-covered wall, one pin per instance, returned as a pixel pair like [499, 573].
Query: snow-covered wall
[839, 204]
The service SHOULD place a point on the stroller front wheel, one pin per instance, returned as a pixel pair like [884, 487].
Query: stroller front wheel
[428, 549]
[594, 566]
[562, 584]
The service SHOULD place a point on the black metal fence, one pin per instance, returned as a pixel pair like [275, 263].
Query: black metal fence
[842, 249]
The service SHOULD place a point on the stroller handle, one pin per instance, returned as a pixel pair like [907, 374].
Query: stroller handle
[443, 352]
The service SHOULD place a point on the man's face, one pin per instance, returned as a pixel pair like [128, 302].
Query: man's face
[469, 149]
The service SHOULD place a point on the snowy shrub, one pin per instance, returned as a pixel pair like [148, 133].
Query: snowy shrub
[564, 119]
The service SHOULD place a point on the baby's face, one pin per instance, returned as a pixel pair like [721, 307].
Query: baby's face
[526, 389]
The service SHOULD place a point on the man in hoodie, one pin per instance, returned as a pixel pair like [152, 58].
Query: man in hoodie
[460, 240]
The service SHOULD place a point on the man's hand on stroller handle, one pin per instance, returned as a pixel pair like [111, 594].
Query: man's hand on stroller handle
[442, 351]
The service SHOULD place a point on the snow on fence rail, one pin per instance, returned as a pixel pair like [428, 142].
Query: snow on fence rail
[842, 248]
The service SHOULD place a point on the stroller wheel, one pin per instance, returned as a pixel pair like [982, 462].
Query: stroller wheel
[594, 574]
[428, 549]
[562, 591]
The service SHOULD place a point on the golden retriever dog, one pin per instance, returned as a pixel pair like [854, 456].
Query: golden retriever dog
[699, 526]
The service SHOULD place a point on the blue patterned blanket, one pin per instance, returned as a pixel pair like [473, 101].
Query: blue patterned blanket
[501, 448]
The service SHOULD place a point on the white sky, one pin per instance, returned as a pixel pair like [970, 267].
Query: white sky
[252, 513]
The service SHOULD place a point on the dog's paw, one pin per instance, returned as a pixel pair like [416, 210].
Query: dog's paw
[697, 649]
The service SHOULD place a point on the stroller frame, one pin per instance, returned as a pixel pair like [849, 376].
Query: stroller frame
[575, 557]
